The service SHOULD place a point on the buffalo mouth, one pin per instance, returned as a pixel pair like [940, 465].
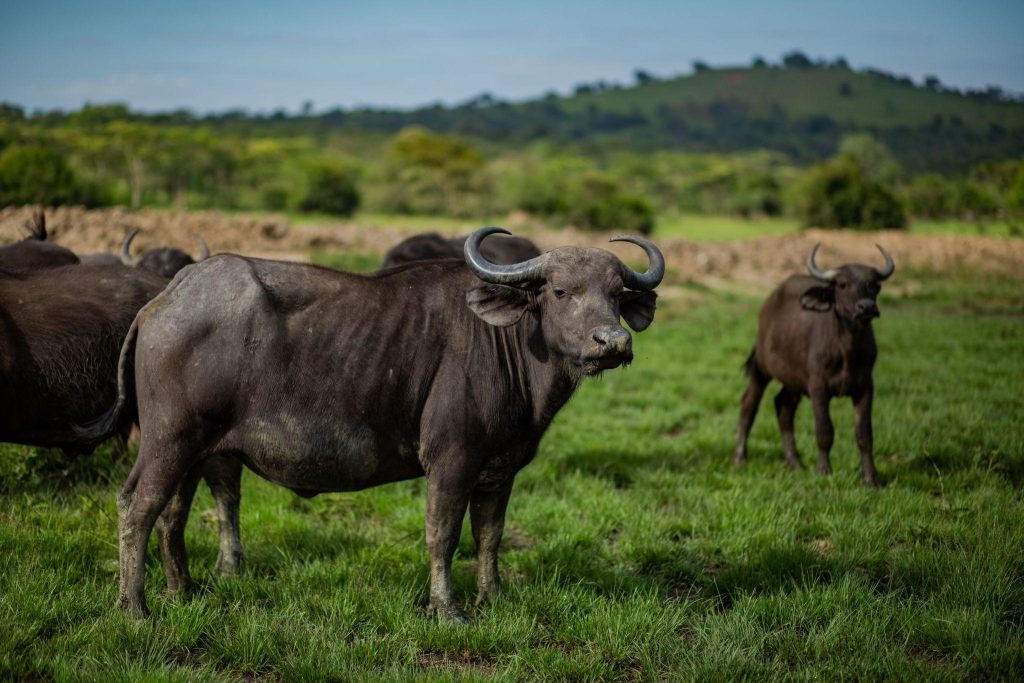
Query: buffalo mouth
[594, 366]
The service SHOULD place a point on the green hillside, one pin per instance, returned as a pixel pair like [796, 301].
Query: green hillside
[847, 97]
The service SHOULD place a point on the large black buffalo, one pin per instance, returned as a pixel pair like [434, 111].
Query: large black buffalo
[328, 381]
[431, 246]
[35, 251]
[814, 336]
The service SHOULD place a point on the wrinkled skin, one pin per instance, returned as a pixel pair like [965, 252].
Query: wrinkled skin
[815, 338]
[327, 381]
[432, 246]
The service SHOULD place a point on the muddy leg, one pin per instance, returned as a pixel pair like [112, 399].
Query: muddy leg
[748, 411]
[223, 474]
[865, 437]
[150, 486]
[170, 534]
[447, 497]
[786, 402]
[823, 429]
[487, 516]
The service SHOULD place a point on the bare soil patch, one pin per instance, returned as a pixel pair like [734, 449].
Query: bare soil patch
[758, 261]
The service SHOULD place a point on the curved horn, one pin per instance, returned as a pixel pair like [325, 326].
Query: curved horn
[500, 275]
[649, 279]
[204, 251]
[890, 265]
[38, 228]
[126, 256]
[826, 275]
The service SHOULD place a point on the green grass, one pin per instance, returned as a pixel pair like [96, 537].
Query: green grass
[633, 549]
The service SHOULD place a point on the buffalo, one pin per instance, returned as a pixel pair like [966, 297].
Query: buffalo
[814, 336]
[321, 380]
[35, 251]
[432, 246]
[165, 261]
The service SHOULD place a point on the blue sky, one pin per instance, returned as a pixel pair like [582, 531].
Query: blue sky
[257, 55]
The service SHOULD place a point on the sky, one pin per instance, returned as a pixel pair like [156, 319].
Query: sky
[261, 56]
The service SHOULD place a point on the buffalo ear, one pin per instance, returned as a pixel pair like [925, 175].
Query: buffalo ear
[819, 299]
[498, 305]
[637, 309]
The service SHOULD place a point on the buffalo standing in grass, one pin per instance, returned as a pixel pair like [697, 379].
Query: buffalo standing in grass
[321, 381]
[34, 251]
[431, 246]
[814, 336]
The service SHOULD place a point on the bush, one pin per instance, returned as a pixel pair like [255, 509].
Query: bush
[33, 174]
[596, 202]
[839, 194]
[931, 196]
[332, 189]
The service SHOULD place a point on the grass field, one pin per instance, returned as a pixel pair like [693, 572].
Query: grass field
[633, 550]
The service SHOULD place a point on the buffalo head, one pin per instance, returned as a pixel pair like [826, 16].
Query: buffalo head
[165, 262]
[578, 296]
[850, 290]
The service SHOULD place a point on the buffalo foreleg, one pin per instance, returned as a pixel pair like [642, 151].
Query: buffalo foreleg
[447, 497]
[823, 429]
[865, 439]
[786, 402]
[487, 516]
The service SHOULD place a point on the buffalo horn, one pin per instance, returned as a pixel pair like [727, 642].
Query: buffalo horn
[890, 265]
[649, 279]
[826, 275]
[126, 256]
[204, 251]
[513, 274]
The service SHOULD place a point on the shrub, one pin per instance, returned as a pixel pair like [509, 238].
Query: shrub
[931, 196]
[839, 194]
[596, 202]
[332, 189]
[34, 174]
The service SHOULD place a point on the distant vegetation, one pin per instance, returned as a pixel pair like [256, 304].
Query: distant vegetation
[811, 139]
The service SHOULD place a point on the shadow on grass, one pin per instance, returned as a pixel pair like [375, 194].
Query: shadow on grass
[621, 468]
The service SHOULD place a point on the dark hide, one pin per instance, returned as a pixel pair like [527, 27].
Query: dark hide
[431, 246]
[34, 252]
[320, 380]
[815, 338]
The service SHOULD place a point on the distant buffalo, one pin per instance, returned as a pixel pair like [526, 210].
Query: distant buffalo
[814, 336]
[320, 380]
[430, 246]
[165, 261]
[34, 251]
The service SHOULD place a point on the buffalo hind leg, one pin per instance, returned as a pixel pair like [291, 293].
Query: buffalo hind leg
[786, 402]
[170, 534]
[865, 438]
[447, 498]
[748, 410]
[149, 487]
[487, 516]
[223, 474]
[823, 429]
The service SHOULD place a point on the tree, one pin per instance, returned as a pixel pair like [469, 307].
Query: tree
[840, 193]
[332, 189]
[700, 67]
[796, 60]
[933, 83]
[36, 174]
[759, 63]
[644, 77]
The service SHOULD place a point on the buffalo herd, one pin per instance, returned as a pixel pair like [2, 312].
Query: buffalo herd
[449, 363]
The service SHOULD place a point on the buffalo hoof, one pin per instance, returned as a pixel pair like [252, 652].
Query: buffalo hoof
[133, 608]
[794, 463]
[228, 564]
[739, 460]
[824, 469]
[873, 481]
[486, 595]
[450, 613]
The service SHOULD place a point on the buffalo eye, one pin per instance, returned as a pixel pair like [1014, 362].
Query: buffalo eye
[841, 285]
[559, 293]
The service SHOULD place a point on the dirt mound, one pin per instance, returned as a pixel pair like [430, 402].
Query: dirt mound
[760, 261]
